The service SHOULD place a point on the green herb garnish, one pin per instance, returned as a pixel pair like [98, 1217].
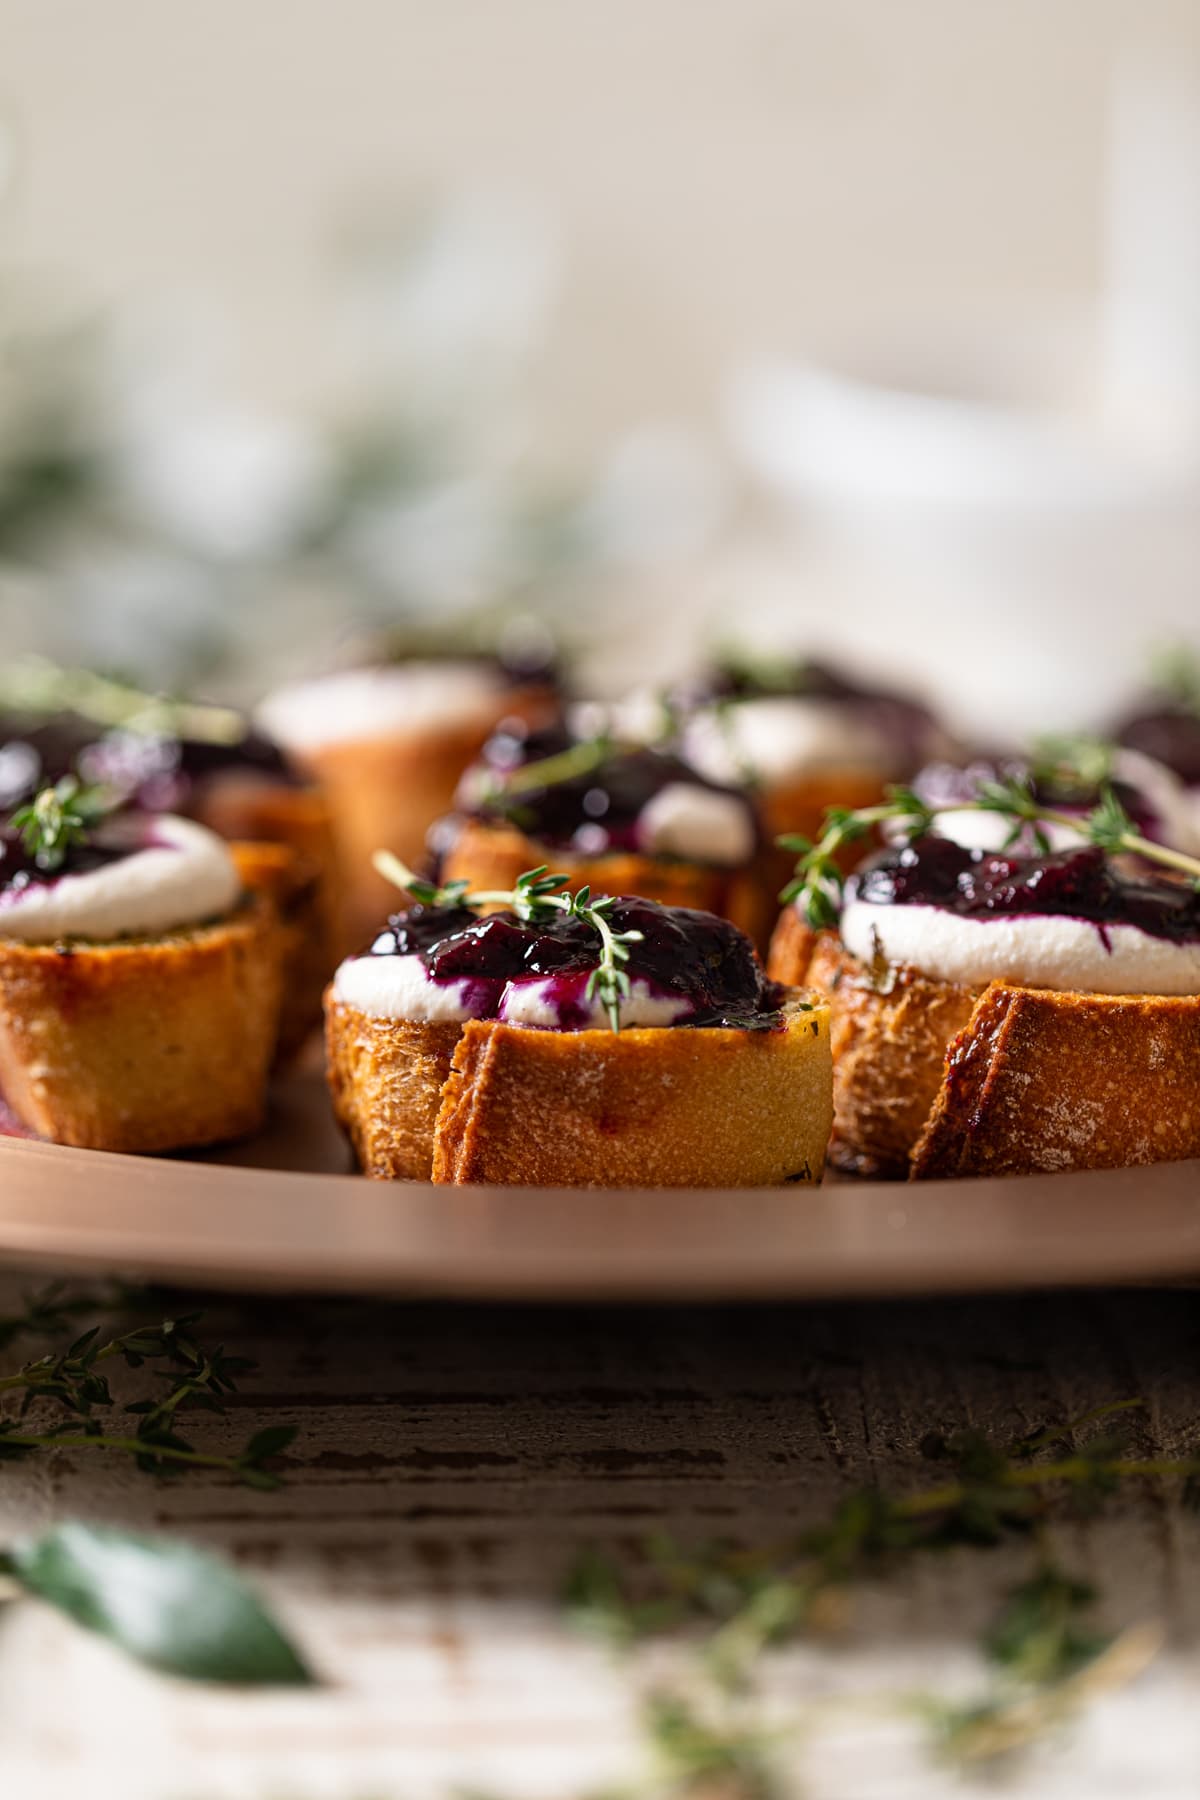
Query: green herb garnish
[537, 897]
[727, 1607]
[36, 685]
[56, 820]
[818, 881]
[73, 1383]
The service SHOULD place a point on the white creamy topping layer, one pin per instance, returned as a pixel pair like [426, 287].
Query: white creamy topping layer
[687, 820]
[1034, 949]
[184, 877]
[1177, 814]
[390, 701]
[399, 987]
[781, 738]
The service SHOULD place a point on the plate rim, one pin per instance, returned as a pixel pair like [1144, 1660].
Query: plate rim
[230, 1226]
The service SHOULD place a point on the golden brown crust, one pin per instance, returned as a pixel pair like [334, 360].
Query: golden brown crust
[643, 1108]
[386, 1078]
[385, 793]
[143, 1044]
[492, 856]
[889, 1036]
[932, 1079]
[646, 1108]
[1040, 1080]
[791, 949]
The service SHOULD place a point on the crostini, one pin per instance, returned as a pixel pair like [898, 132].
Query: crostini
[139, 986]
[621, 819]
[571, 1042]
[1004, 1011]
[200, 761]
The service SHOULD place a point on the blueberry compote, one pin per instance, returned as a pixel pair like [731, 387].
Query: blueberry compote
[1077, 884]
[592, 807]
[703, 962]
[154, 772]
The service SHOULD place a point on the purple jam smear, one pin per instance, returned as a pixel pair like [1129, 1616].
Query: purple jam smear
[591, 813]
[693, 957]
[153, 773]
[1170, 732]
[1077, 884]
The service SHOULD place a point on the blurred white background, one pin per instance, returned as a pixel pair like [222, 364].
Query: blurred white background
[685, 224]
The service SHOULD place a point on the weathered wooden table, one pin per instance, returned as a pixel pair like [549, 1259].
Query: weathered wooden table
[452, 1460]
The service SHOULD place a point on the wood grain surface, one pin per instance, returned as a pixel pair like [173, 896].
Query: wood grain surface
[451, 1460]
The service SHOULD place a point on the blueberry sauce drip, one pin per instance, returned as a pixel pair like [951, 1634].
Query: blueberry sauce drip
[1168, 732]
[702, 961]
[1076, 884]
[152, 772]
[590, 813]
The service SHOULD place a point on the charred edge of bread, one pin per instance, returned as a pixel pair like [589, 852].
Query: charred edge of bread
[142, 1044]
[492, 856]
[1040, 1081]
[889, 1033]
[645, 1108]
[386, 1078]
[253, 810]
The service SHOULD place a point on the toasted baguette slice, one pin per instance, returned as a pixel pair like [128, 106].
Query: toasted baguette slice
[1040, 1080]
[889, 1034]
[932, 1079]
[650, 1107]
[142, 1044]
[386, 1078]
[492, 856]
[385, 793]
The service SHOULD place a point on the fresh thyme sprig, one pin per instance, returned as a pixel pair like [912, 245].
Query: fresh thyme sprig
[550, 771]
[537, 896]
[1047, 1656]
[74, 1381]
[57, 819]
[818, 882]
[37, 685]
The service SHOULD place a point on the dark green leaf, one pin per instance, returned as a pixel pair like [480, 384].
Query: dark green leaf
[165, 1603]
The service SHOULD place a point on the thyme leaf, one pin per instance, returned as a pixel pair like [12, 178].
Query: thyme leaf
[56, 820]
[73, 1384]
[818, 883]
[537, 896]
